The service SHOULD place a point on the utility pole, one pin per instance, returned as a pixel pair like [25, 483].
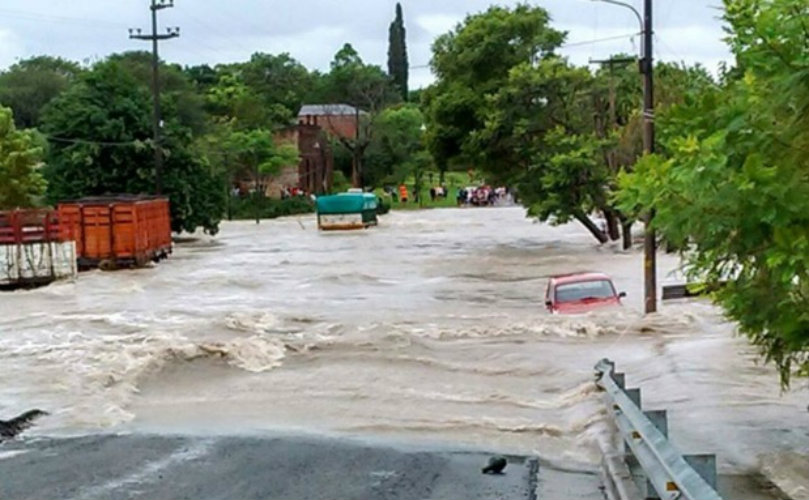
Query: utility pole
[157, 122]
[647, 69]
[650, 238]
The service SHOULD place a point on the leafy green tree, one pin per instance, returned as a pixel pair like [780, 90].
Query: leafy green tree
[20, 160]
[27, 86]
[398, 139]
[232, 99]
[179, 96]
[731, 185]
[281, 82]
[398, 65]
[203, 76]
[255, 154]
[265, 92]
[540, 136]
[505, 103]
[369, 90]
[471, 64]
[100, 131]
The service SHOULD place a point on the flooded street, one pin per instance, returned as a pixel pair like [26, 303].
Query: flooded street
[430, 328]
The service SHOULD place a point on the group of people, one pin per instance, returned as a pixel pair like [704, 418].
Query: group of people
[243, 190]
[439, 192]
[290, 192]
[484, 196]
[478, 196]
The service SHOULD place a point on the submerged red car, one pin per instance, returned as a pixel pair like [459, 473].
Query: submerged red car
[579, 293]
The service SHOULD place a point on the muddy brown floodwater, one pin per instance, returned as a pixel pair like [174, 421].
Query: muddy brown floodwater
[429, 329]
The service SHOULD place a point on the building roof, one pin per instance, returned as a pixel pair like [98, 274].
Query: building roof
[328, 110]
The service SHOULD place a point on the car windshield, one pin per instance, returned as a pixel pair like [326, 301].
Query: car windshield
[572, 292]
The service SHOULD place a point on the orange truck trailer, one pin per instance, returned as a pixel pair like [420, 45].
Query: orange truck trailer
[117, 231]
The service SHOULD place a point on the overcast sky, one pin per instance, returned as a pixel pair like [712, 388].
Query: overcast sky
[216, 31]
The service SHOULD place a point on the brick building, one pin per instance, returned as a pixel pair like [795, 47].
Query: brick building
[314, 173]
[339, 120]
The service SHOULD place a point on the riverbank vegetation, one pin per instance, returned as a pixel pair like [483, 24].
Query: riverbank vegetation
[731, 183]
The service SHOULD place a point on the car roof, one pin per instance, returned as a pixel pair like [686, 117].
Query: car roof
[577, 277]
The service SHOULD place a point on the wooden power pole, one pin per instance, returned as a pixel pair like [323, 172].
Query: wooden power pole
[157, 121]
[650, 239]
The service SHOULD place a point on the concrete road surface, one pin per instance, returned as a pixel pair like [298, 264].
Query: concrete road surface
[175, 468]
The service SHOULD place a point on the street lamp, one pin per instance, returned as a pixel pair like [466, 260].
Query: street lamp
[627, 6]
[647, 69]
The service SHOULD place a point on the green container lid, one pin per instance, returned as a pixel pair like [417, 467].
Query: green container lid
[346, 203]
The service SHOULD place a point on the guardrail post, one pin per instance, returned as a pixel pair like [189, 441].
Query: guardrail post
[660, 419]
[634, 395]
[705, 465]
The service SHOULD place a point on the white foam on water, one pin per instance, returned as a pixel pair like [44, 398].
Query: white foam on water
[431, 326]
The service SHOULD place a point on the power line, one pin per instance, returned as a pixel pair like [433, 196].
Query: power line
[667, 47]
[91, 142]
[214, 30]
[568, 45]
[598, 40]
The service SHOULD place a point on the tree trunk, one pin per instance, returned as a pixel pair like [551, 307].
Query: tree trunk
[591, 226]
[229, 194]
[613, 224]
[257, 196]
[627, 230]
[356, 180]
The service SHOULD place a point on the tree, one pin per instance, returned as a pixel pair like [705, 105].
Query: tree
[255, 154]
[505, 103]
[27, 86]
[203, 76]
[731, 185]
[397, 140]
[281, 82]
[20, 160]
[471, 64]
[369, 90]
[100, 131]
[540, 136]
[264, 92]
[232, 99]
[178, 94]
[398, 65]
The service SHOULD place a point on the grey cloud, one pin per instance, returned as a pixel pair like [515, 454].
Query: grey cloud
[214, 31]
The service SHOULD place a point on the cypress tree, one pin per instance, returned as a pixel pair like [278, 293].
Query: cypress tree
[397, 53]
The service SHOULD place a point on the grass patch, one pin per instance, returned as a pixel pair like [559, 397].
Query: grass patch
[453, 181]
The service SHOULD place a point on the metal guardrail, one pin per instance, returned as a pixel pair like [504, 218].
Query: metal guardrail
[689, 290]
[670, 475]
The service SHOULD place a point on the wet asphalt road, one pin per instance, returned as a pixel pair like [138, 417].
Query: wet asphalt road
[169, 468]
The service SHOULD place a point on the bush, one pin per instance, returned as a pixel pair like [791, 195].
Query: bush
[340, 184]
[269, 208]
[384, 205]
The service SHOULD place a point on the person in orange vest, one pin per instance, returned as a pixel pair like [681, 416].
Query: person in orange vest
[403, 193]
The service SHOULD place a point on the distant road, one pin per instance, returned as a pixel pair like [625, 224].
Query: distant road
[175, 468]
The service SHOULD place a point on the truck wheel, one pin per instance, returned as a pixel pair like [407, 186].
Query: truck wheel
[107, 265]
